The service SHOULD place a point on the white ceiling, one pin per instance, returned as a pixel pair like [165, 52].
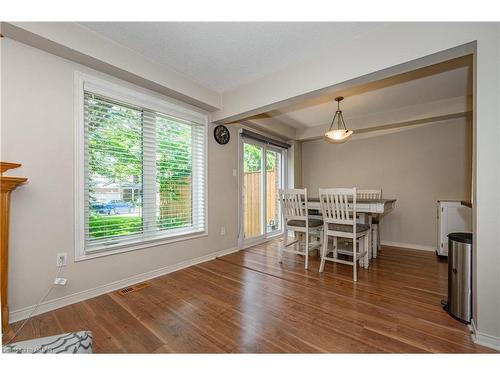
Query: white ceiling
[319, 111]
[225, 55]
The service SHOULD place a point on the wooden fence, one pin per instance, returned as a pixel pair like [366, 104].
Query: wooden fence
[252, 221]
[175, 203]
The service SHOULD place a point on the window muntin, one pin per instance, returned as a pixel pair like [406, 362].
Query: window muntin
[144, 174]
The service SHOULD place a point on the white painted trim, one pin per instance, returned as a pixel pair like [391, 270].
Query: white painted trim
[408, 246]
[472, 328]
[260, 240]
[120, 91]
[79, 165]
[242, 243]
[57, 303]
[137, 245]
[484, 339]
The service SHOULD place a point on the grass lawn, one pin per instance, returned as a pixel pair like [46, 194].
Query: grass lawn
[107, 226]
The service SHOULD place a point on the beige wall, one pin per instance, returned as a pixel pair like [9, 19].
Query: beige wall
[294, 156]
[371, 53]
[38, 131]
[416, 166]
[413, 45]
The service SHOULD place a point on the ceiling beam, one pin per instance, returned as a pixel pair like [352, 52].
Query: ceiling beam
[418, 112]
[391, 50]
[391, 128]
[76, 43]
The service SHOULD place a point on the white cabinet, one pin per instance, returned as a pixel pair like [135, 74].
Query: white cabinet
[453, 216]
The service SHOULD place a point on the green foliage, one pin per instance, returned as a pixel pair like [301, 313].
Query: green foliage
[174, 161]
[252, 158]
[115, 152]
[114, 141]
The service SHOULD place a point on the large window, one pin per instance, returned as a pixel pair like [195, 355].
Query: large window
[144, 171]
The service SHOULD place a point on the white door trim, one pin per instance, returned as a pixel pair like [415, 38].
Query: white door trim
[242, 243]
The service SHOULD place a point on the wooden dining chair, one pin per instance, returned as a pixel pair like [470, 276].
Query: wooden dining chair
[375, 219]
[338, 207]
[294, 208]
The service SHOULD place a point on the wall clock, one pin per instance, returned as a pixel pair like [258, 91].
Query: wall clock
[221, 134]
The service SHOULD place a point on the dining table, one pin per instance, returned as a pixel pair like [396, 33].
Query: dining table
[366, 209]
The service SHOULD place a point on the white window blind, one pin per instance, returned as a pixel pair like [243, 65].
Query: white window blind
[144, 174]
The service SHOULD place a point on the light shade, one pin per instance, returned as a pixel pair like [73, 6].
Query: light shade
[338, 132]
[338, 135]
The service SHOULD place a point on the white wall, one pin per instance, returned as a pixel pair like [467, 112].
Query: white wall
[416, 166]
[38, 131]
[411, 45]
[383, 49]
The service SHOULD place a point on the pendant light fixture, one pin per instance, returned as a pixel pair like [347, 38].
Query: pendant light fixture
[338, 133]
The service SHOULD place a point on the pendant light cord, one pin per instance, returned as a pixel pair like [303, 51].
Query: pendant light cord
[338, 115]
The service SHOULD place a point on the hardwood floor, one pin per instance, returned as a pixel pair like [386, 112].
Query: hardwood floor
[248, 302]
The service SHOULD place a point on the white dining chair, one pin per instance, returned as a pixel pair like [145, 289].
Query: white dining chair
[338, 207]
[294, 208]
[374, 219]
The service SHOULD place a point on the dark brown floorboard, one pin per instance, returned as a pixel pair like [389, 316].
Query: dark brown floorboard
[248, 302]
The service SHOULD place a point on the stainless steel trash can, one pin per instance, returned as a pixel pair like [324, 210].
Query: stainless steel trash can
[460, 276]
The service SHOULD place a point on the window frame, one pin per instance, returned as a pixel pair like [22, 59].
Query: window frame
[242, 242]
[134, 96]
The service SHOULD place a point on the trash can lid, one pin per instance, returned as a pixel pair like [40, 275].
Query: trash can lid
[461, 237]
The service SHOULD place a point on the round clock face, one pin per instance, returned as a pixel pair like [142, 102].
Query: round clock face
[221, 134]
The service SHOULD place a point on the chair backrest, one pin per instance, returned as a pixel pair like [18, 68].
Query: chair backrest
[369, 194]
[338, 205]
[293, 204]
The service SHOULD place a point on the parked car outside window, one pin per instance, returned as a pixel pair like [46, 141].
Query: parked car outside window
[112, 207]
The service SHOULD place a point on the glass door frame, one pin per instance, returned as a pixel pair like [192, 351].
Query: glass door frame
[242, 242]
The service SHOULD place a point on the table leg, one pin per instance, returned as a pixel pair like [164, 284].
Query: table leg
[370, 237]
[366, 218]
[375, 240]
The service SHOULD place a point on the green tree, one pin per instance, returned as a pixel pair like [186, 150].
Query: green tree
[252, 159]
[114, 142]
[174, 171]
[115, 152]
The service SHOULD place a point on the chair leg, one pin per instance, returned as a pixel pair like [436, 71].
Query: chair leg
[307, 250]
[335, 253]
[320, 246]
[367, 245]
[362, 248]
[323, 251]
[354, 261]
[283, 245]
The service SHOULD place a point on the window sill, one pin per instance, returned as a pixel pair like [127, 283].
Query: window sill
[124, 248]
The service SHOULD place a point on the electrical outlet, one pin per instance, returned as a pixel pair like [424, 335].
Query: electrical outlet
[60, 281]
[61, 259]
[235, 172]
[222, 231]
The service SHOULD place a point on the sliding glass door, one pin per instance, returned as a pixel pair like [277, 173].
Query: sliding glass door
[253, 190]
[274, 182]
[262, 176]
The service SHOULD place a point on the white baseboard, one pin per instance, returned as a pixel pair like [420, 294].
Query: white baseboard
[408, 246]
[57, 303]
[484, 339]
